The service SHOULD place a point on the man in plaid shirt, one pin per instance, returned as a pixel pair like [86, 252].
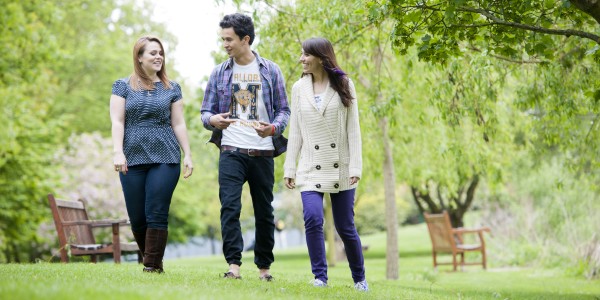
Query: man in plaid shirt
[246, 108]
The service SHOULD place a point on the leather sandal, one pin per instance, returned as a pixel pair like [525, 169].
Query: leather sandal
[153, 270]
[267, 277]
[230, 275]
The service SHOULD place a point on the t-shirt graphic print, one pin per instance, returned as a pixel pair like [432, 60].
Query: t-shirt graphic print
[247, 108]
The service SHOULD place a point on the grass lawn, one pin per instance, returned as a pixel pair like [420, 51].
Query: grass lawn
[199, 278]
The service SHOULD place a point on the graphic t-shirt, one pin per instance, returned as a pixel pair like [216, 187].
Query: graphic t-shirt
[248, 108]
[319, 100]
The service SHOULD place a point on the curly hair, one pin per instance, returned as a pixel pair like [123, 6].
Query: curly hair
[242, 25]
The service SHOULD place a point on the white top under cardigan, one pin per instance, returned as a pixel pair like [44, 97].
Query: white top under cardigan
[327, 140]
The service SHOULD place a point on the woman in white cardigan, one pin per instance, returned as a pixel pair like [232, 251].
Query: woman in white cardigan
[325, 136]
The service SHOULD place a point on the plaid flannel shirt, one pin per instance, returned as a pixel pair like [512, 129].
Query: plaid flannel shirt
[217, 99]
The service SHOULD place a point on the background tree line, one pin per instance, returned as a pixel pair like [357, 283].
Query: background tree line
[468, 106]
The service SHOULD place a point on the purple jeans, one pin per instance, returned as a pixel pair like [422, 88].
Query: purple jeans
[342, 204]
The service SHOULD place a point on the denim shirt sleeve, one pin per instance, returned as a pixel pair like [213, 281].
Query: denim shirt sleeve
[210, 104]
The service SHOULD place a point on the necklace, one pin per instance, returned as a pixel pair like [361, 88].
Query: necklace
[148, 92]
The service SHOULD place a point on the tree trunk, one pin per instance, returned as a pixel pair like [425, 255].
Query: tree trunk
[456, 211]
[391, 217]
[212, 239]
[15, 254]
[456, 218]
[329, 231]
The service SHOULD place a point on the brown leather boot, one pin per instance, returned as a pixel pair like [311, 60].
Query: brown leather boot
[140, 239]
[156, 242]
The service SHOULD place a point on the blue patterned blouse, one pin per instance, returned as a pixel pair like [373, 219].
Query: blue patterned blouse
[149, 137]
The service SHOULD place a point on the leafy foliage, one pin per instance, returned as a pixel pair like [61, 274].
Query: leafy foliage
[553, 42]
[512, 29]
[552, 47]
[58, 62]
[27, 90]
[544, 218]
[94, 53]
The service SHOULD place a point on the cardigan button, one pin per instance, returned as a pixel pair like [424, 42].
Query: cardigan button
[318, 185]
[336, 165]
[316, 147]
[318, 167]
[332, 145]
[336, 185]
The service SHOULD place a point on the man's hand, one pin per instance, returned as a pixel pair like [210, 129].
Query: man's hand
[264, 129]
[221, 121]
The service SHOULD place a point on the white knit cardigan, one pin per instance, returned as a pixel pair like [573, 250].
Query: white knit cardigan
[327, 140]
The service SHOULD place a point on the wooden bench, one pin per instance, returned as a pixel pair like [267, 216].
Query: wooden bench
[445, 239]
[75, 235]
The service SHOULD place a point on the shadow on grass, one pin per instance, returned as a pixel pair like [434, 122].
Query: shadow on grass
[379, 254]
[505, 293]
[368, 254]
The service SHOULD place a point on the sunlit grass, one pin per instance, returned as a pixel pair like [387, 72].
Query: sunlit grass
[200, 278]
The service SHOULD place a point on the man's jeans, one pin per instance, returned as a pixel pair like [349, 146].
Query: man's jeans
[234, 170]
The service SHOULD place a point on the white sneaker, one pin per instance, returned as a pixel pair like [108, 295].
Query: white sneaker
[319, 283]
[362, 286]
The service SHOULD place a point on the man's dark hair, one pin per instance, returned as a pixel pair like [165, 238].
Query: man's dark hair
[242, 25]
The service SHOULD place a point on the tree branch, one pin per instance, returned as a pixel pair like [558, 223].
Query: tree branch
[440, 198]
[471, 192]
[415, 193]
[592, 127]
[508, 59]
[281, 11]
[564, 32]
[433, 208]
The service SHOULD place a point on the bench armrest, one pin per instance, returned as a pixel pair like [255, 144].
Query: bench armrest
[96, 223]
[470, 230]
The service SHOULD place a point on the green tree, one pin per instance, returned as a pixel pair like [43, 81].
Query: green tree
[94, 53]
[555, 46]
[27, 134]
[58, 62]
[554, 42]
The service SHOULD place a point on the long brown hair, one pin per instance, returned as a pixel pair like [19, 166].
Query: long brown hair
[322, 48]
[139, 79]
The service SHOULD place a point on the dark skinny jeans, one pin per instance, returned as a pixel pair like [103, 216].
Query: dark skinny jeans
[148, 189]
[234, 170]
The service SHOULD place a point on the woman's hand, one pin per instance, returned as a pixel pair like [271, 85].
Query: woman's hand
[290, 183]
[189, 167]
[120, 162]
[354, 180]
